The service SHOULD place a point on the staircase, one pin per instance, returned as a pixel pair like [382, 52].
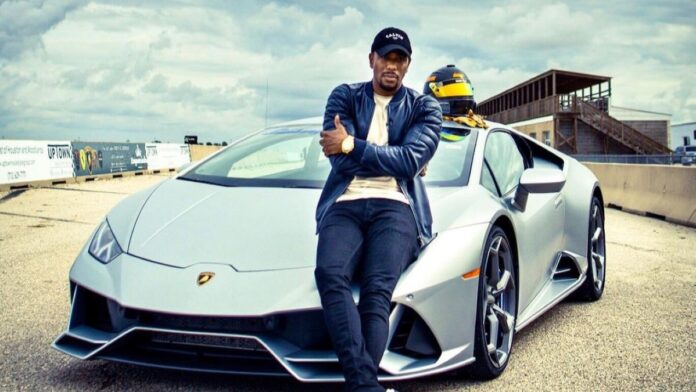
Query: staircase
[617, 130]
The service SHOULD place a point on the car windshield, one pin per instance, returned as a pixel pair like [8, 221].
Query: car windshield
[292, 157]
[690, 148]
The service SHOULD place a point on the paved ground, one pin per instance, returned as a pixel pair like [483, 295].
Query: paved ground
[638, 337]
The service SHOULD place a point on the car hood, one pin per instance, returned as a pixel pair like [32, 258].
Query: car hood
[251, 229]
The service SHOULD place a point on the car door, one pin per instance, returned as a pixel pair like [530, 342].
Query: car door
[539, 228]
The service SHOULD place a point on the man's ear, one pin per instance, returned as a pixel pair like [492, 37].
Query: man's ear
[371, 58]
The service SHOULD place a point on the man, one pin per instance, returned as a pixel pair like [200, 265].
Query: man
[373, 214]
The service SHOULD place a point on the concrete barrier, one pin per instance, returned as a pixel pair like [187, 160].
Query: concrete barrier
[74, 180]
[660, 191]
[37, 184]
[199, 152]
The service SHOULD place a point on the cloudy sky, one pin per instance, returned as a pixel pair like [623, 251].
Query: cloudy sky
[139, 71]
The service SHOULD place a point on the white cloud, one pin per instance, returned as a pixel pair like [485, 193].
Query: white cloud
[22, 23]
[350, 18]
[160, 70]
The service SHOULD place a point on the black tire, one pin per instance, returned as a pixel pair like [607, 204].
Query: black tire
[593, 287]
[490, 364]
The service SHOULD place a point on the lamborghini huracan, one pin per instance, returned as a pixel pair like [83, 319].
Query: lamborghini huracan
[213, 270]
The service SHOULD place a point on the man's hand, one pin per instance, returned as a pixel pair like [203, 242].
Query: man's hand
[424, 170]
[331, 139]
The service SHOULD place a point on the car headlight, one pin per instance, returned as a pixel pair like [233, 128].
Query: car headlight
[104, 246]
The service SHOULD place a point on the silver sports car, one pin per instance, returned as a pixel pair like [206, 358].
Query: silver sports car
[213, 270]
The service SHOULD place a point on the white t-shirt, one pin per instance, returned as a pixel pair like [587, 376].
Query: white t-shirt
[376, 187]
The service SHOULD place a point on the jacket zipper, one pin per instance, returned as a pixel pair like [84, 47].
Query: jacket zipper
[421, 240]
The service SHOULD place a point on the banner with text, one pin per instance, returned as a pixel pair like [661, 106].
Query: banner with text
[29, 160]
[167, 155]
[104, 158]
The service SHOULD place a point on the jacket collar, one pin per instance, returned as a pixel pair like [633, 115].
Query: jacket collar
[396, 98]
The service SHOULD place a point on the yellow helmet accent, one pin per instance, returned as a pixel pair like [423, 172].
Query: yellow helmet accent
[456, 89]
[451, 136]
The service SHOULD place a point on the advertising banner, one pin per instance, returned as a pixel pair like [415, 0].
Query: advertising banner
[104, 158]
[29, 160]
[167, 155]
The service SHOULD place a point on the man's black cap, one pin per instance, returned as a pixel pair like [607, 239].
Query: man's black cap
[391, 39]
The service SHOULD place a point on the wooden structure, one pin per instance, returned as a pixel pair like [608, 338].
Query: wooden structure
[575, 106]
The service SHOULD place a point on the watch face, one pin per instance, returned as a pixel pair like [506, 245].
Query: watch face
[347, 145]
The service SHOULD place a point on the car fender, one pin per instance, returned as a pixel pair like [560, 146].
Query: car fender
[577, 194]
[124, 215]
[429, 285]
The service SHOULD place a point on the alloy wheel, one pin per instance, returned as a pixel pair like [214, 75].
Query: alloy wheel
[500, 301]
[597, 247]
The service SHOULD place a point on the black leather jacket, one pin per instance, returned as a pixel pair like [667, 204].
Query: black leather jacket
[414, 134]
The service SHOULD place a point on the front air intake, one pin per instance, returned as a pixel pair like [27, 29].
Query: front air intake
[413, 338]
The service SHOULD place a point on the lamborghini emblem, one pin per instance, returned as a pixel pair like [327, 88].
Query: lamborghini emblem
[205, 277]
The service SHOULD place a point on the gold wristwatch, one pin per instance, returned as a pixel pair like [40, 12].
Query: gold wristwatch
[348, 144]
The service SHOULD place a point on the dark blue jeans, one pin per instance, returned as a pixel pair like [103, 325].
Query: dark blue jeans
[376, 238]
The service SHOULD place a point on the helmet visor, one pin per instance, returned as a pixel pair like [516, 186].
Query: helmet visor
[451, 88]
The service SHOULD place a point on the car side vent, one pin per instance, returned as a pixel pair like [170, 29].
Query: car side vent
[413, 338]
[566, 269]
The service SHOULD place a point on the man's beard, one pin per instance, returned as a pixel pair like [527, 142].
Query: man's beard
[389, 88]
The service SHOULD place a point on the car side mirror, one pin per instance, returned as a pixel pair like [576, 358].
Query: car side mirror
[537, 181]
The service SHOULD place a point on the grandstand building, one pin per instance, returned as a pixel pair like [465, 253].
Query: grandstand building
[572, 112]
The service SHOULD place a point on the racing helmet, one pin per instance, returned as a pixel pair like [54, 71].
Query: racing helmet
[453, 89]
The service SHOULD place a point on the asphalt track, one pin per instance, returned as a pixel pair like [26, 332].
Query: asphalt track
[639, 336]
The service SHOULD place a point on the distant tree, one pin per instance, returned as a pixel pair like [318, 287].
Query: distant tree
[208, 144]
[224, 143]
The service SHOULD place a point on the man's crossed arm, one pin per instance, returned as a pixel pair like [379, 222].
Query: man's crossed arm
[332, 143]
[369, 160]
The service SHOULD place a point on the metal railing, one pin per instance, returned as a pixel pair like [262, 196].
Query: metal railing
[655, 159]
[543, 107]
[618, 130]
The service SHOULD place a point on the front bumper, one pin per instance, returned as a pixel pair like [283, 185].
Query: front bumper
[289, 344]
[239, 323]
